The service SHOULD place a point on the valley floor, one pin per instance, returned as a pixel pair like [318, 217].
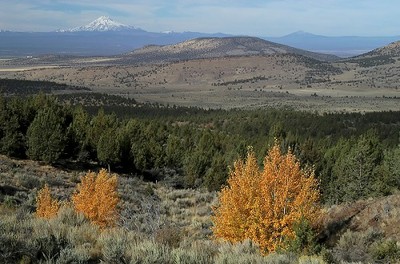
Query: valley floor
[233, 82]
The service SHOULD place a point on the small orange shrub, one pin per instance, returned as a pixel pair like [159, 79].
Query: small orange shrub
[264, 205]
[46, 207]
[97, 198]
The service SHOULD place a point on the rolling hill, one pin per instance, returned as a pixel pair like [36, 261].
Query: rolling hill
[343, 46]
[203, 48]
[383, 55]
[393, 49]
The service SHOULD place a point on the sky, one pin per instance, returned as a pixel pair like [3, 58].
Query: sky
[240, 17]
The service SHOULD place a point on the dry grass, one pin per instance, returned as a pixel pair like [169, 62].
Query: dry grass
[170, 225]
[249, 82]
[146, 207]
[380, 215]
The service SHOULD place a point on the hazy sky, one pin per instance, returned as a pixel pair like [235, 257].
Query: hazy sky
[246, 17]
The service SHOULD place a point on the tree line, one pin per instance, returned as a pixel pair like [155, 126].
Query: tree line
[354, 155]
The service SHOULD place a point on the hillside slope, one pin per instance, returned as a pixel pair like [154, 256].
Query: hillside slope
[379, 215]
[386, 55]
[343, 46]
[393, 49]
[148, 206]
[203, 48]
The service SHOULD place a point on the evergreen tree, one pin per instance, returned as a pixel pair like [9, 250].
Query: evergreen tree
[174, 151]
[392, 166]
[78, 134]
[46, 136]
[360, 167]
[357, 171]
[216, 175]
[334, 158]
[16, 115]
[99, 125]
[108, 147]
[12, 142]
[199, 159]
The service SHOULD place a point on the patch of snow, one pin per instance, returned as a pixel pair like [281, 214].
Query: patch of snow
[103, 23]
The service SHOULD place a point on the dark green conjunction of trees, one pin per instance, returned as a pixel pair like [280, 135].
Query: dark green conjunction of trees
[46, 134]
[354, 155]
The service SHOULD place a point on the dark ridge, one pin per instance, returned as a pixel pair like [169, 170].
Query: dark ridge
[25, 87]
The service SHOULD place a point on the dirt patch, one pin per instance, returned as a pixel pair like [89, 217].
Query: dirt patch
[381, 215]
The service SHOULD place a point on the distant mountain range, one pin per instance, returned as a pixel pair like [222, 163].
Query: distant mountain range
[86, 43]
[104, 37]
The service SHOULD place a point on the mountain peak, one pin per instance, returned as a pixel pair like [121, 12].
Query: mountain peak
[301, 33]
[103, 23]
[104, 18]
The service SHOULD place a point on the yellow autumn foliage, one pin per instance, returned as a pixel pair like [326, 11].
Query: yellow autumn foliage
[263, 205]
[46, 206]
[97, 198]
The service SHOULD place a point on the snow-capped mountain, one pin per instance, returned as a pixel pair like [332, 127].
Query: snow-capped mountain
[102, 24]
[102, 37]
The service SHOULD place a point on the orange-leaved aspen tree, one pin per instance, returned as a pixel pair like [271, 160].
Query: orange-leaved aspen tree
[97, 198]
[263, 205]
[46, 206]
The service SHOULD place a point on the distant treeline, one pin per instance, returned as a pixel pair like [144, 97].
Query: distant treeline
[241, 81]
[25, 87]
[124, 107]
[355, 155]
[373, 60]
